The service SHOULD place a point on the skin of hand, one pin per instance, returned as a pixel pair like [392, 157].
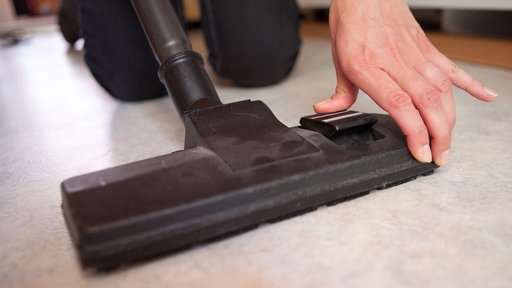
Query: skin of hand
[378, 47]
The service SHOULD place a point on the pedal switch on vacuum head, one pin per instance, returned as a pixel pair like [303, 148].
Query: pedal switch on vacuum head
[346, 127]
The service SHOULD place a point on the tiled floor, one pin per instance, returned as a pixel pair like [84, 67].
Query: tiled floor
[453, 228]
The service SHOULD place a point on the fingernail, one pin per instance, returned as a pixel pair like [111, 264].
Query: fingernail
[445, 158]
[491, 92]
[424, 154]
[322, 103]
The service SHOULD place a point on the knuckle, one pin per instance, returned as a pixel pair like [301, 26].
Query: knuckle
[420, 131]
[474, 82]
[442, 133]
[430, 98]
[445, 85]
[454, 69]
[399, 99]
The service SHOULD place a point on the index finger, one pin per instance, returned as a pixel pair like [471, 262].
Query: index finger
[461, 78]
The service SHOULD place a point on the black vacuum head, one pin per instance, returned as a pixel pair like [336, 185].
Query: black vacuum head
[242, 168]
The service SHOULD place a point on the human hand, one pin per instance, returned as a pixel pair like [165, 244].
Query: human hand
[378, 47]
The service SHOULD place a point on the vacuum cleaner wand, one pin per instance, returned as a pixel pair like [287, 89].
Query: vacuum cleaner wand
[181, 69]
[241, 167]
[162, 27]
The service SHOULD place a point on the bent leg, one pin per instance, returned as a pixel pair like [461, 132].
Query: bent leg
[117, 52]
[254, 43]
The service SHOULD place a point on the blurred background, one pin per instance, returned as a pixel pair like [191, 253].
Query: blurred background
[470, 30]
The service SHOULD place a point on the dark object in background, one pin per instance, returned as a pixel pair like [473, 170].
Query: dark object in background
[238, 39]
[68, 21]
[478, 23]
[21, 7]
[429, 19]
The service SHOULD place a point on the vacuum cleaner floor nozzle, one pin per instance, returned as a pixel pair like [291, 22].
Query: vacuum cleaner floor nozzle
[241, 168]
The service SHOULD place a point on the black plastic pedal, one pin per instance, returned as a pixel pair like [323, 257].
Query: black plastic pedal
[345, 128]
[331, 124]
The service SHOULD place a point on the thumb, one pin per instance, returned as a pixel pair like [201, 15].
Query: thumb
[344, 96]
